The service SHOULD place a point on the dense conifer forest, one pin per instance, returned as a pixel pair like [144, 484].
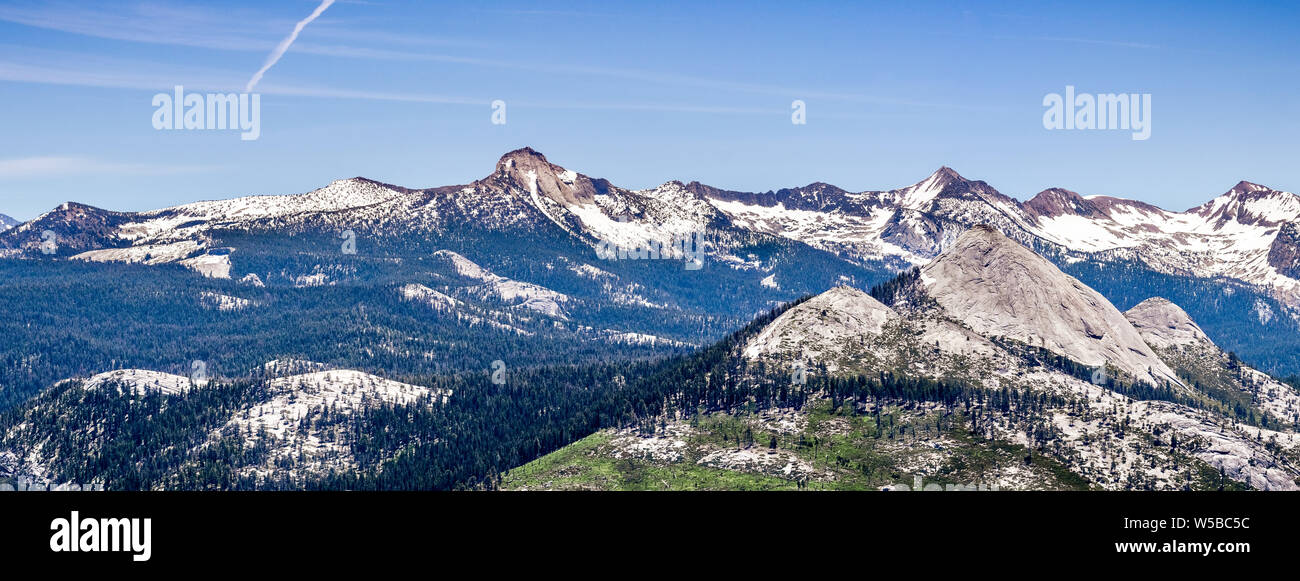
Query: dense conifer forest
[149, 440]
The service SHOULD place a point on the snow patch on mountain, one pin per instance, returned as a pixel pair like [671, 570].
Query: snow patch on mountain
[531, 296]
[309, 447]
[292, 366]
[311, 280]
[140, 380]
[858, 234]
[338, 195]
[426, 295]
[921, 195]
[443, 303]
[544, 306]
[1263, 312]
[590, 272]
[144, 254]
[223, 302]
[631, 338]
[209, 265]
[660, 216]
[1231, 236]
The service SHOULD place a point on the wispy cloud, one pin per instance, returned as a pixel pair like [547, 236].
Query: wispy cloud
[231, 28]
[284, 45]
[128, 77]
[46, 166]
[182, 27]
[53, 67]
[631, 74]
[160, 24]
[222, 81]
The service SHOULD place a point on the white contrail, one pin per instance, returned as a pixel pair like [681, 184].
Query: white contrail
[281, 48]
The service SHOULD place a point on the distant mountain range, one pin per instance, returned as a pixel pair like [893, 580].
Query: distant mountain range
[1232, 262]
[1247, 235]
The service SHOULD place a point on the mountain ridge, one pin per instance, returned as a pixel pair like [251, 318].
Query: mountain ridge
[566, 187]
[1246, 238]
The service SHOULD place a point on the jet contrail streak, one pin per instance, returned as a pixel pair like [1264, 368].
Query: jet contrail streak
[283, 47]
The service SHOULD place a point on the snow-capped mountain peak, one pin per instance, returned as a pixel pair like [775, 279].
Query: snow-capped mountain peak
[75, 227]
[919, 195]
[1245, 187]
[1250, 204]
[1054, 202]
[946, 176]
[530, 171]
[338, 195]
[1241, 235]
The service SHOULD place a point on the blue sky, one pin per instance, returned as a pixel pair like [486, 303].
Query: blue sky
[642, 93]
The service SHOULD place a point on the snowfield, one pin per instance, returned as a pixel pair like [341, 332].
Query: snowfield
[436, 300]
[222, 302]
[141, 380]
[300, 397]
[529, 296]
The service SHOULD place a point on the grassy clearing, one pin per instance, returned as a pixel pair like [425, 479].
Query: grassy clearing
[837, 449]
